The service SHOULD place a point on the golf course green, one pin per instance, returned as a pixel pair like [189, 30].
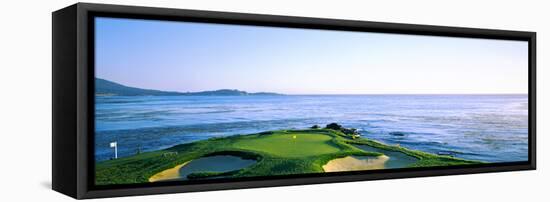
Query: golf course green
[282, 152]
[292, 145]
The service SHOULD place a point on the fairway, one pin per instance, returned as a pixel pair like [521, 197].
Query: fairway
[294, 145]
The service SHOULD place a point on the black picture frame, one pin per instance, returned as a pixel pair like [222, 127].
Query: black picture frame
[73, 98]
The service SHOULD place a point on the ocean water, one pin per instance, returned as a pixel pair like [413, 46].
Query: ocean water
[490, 128]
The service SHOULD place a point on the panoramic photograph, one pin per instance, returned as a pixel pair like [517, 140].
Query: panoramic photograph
[183, 101]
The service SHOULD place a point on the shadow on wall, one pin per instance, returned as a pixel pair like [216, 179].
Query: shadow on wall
[46, 184]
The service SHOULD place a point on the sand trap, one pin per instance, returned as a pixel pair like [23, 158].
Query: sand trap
[397, 159]
[355, 163]
[169, 174]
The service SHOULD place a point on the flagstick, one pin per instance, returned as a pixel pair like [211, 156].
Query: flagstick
[114, 145]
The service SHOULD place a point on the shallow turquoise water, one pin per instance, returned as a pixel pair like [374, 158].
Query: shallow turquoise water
[220, 163]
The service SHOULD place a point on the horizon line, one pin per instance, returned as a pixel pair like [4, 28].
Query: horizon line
[413, 94]
[315, 94]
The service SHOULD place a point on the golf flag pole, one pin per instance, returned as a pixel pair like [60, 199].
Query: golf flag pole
[114, 145]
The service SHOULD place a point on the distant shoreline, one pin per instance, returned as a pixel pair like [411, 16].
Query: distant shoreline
[511, 94]
[109, 88]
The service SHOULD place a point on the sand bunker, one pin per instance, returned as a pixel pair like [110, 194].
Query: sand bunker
[355, 163]
[168, 174]
[397, 159]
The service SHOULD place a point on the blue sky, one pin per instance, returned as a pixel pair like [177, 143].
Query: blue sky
[180, 56]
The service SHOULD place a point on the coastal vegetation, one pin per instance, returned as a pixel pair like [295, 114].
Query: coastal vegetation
[281, 152]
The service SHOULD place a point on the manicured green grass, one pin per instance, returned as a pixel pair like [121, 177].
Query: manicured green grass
[289, 144]
[284, 152]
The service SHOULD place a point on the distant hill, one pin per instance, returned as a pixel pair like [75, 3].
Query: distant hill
[105, 87]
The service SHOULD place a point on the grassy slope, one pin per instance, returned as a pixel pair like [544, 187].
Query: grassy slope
[277, 152]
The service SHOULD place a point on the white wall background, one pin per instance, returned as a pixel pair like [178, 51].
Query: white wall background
[25, 102]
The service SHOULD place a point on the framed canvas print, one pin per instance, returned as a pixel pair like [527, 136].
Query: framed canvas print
[155, 100]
